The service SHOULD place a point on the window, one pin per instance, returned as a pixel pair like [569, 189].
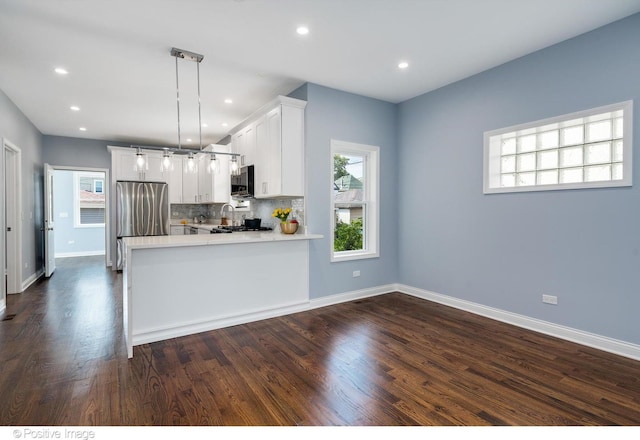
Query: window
[355, 201]
[587, 149]
[89, 200]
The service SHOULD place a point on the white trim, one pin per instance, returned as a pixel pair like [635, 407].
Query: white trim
[351, 296]
[107, 203]
[371, 245]
[79, 254]
[19, 215]
[491, 154]
[592, 340]
[191, 328]
[32, 279]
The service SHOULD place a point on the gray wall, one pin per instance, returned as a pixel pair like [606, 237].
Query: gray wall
[82, 153]
[332, 114]
[17, 129]
[506, 250]
[69, 239]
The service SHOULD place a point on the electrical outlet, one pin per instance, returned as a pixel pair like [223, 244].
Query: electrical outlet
[356, 273]
[550, 299]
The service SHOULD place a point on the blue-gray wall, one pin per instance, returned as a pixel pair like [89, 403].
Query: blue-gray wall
[332, 114]
[69, 239]
[506, 250]
[17, 129]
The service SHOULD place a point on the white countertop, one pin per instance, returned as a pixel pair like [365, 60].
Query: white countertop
[235, 237]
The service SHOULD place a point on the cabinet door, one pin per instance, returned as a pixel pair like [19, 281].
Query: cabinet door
[176, 230]
[175, 180]
[189, 181]
[262, 172]
[221, 180]
[248, 146]
[205, 179]
[126, 166]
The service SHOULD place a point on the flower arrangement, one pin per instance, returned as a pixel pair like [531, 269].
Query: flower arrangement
[281, 214]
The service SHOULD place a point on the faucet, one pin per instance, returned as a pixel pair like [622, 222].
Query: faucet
[222, 211]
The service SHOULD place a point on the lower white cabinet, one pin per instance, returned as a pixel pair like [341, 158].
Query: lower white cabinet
[176, 230]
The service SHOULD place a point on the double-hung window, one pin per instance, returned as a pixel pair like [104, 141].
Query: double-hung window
[587, 149]
[355, 201]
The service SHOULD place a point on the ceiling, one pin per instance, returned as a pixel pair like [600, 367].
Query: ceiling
[123, 78]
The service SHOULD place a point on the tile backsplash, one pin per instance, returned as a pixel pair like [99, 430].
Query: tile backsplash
[258, 208]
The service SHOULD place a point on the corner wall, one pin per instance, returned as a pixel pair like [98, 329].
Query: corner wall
[332, 114]
[506, 250]
[17, 129]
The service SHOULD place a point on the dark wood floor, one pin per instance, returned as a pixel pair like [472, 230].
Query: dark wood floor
[388, 360]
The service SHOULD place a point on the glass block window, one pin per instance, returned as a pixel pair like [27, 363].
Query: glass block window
[580, 150]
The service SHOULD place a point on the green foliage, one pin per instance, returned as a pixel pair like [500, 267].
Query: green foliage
[339, 166]
[348, 236]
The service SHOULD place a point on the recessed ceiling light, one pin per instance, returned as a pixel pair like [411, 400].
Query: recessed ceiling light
[189, 140]
[60, 71]
[403, 65]
[224, 124]
[83, 128]
[228, 101]
[302, 30]
[205, 125]
[75, 108]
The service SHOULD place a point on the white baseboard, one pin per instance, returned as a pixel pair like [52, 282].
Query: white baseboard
[599, 342]
[155, 335]
[78, 254]
[351, 296]
[32, 279]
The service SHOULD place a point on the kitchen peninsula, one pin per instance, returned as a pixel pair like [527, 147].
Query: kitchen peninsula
[178, 285]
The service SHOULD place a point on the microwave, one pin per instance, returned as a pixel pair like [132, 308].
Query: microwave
[242, 183]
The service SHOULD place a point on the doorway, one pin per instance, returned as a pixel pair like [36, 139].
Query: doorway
[11, 220]
[80, 212]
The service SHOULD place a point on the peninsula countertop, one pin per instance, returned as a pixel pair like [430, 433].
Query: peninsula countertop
[236, 237]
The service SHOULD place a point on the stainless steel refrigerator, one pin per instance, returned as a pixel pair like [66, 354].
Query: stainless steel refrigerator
[142, 209]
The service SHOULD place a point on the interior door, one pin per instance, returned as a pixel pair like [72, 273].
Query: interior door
[49, 247]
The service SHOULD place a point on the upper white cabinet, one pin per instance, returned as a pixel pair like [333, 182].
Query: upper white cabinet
[214, 186]
[123, 164]
[277, 133]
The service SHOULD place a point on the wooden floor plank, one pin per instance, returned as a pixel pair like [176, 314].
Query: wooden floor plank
[383, 361]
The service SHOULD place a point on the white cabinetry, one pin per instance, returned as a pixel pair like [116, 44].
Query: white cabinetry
[190, 180]
[214, 186]
[176, 230]
[280, 151]
[244, 143]
[123, 161]
[272, 140]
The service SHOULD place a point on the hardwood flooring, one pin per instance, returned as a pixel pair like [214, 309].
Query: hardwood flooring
[389, 360]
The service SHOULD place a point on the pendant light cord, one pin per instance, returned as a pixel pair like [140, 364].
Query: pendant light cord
[178, 102]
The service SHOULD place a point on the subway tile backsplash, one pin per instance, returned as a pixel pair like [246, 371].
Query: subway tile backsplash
[259, 208]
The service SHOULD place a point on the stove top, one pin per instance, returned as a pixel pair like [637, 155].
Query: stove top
[244, 228]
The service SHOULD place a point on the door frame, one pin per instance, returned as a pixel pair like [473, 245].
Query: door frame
[107, 203]
[13, 209]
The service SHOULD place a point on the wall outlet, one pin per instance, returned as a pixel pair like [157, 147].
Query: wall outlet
[356, 273]
[549, 299]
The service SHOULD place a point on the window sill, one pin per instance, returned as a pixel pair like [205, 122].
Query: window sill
[355, 255]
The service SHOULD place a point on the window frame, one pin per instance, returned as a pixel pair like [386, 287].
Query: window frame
[371, 202]
[492, 154]
[77, 218]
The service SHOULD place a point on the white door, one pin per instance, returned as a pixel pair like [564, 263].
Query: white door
[49, 249]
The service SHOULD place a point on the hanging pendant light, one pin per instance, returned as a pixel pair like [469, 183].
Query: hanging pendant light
[213, 165]
[167, 164]
[141, 164]
[233, 166]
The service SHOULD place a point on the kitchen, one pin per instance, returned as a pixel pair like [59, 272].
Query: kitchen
[190, 230]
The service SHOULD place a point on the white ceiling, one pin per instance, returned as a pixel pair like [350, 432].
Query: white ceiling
[123, 77]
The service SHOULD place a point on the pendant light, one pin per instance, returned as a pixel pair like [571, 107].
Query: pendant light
[141, 163]
[213, 165]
